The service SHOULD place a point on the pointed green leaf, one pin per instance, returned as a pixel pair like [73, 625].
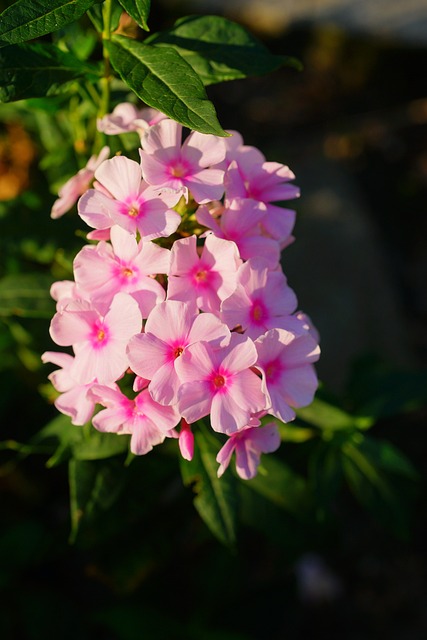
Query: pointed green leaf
[215, 498]
[25, 20]
[94, 487]
[281, 485]
[381, 482]
[139, 10]
[164, 81]
[82, 443]
[26, 295]
[35, 71]
[97, 446]
[325, 471]
[219, 49]
[325, 415]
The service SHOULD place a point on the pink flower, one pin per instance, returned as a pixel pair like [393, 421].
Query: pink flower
[74, 400]
[186, 441]
[205, 280]
[123, 198]
[262, 299]
[168, 165]
[103, 270]
[99, 341]
[248, 443]
[148, 422]
[240, 221]
[126, 117]
[220, 382]
[170, 328]
[265, 182]
[70, 192]
[244, 155]
[289, 379]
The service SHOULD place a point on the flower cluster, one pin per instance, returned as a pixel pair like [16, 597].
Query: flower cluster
[180, 310]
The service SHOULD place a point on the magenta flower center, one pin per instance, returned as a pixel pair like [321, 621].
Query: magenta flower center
[99, 335]
[179, 169]
[220, 381]
[177, 352]
[273, 370]
[132, 206]
[258, 312]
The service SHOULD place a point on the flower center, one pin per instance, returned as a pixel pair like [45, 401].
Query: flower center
[258, 312]
[133, 212]
[127, 272]
[100, 335]
[177, 352]
[218, 381]
[179, 170]
[201, 276]
[273, 370]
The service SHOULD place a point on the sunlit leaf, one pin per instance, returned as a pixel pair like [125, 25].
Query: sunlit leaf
[164, 81]
[325, 415]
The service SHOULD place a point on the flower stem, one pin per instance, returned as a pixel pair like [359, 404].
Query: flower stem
[104, 105]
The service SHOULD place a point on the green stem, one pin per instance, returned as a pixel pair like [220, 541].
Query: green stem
[104, 105]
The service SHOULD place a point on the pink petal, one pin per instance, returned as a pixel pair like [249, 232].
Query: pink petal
[121, 176]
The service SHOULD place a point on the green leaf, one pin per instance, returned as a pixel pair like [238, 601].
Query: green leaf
[326, 416]
[82, 443]
[97, 446]
[26, 295]
[215, 498]
[281, 485]
[36, 70]
[139, 10]
[164, 81]
[94, 487]
[25, 20]
[386, 456]
[293, 433]
[382, 481]
[325, 472]
[219, 49]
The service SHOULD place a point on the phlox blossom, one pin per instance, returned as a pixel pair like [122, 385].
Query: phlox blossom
[265, 182]
[126, 117]
[121, 197]
[167, 164]
[240, 221]
[99, 341]
[169, 329]
[220, 382]
[262, 299]
[70, 192]
[125, 265]
[204, 280]
[248, 444]
[145, 420]
[74, 400]
[288, 376]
